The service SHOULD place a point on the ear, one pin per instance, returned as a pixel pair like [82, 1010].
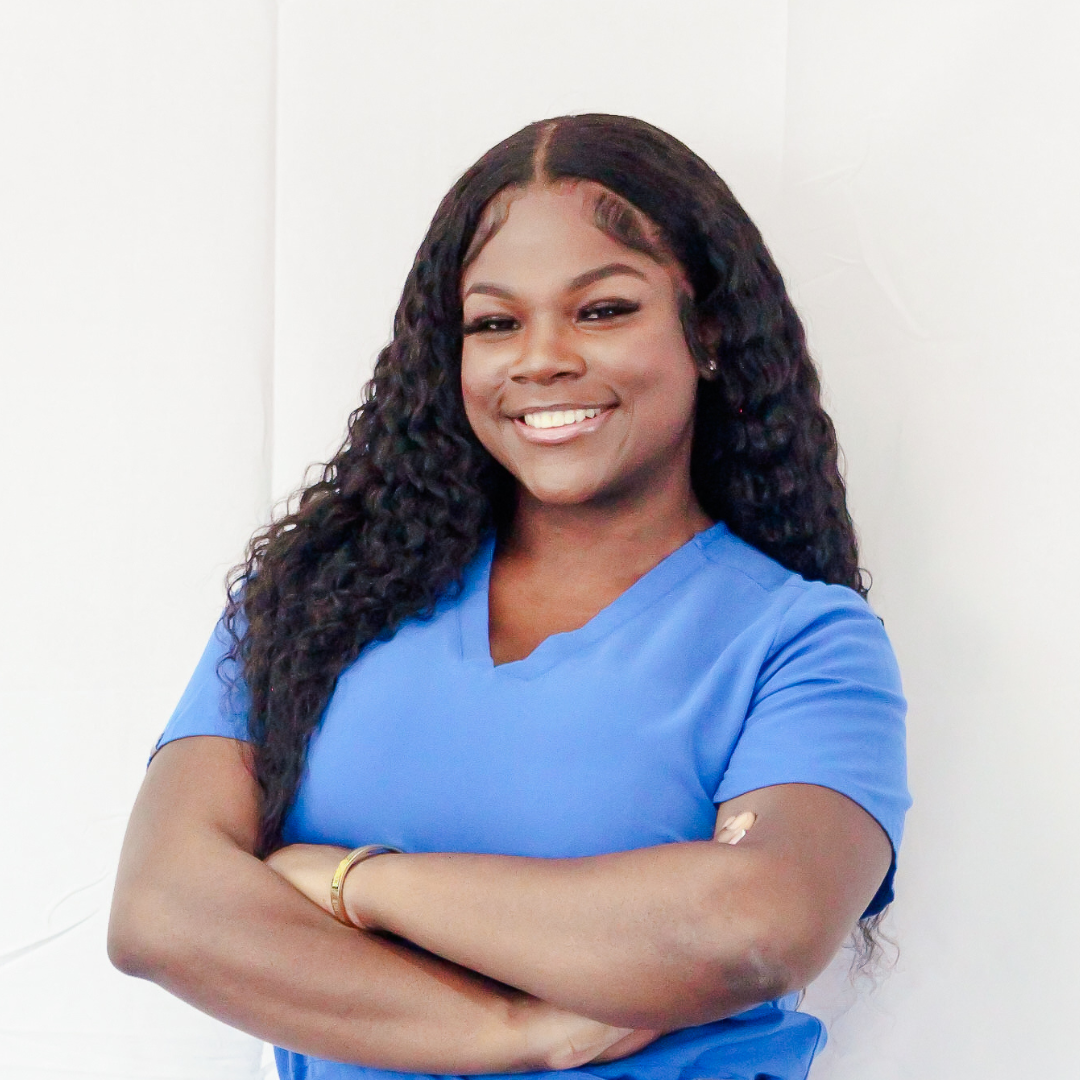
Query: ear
[709, 334]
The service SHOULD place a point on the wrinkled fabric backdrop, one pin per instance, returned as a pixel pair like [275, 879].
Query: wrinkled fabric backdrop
[207, 210]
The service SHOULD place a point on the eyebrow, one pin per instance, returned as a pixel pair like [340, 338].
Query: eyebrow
[587, 278]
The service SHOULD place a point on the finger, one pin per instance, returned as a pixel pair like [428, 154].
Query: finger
[627, 1045]
[736, 827]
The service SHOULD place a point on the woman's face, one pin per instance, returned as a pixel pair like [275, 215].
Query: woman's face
[575, 371]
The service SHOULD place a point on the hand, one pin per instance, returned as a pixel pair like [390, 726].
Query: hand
[309, 868]
[557, 1039]
[627, 1045]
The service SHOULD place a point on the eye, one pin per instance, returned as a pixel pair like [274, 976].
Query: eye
[607, 309]
[490, 324]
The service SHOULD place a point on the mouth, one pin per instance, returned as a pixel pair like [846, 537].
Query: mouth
[561, 423]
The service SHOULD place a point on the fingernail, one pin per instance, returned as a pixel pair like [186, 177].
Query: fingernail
[736, 838]
[730, 821]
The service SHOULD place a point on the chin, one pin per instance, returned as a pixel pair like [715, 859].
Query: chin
[552, 492]
[563, 484]
[569, 492]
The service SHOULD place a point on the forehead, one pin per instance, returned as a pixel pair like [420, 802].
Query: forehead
[555, 230]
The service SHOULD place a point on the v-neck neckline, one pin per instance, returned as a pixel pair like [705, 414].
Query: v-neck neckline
[474, 608]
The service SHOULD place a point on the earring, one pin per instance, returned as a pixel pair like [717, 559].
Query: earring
[710, 369]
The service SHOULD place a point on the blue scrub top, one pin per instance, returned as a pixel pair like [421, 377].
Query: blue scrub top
[716, 673]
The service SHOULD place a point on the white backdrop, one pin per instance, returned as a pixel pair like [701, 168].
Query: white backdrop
[207, 208]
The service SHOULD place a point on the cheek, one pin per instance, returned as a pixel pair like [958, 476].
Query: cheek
[479, 390]
[471, 377]
[663, 375]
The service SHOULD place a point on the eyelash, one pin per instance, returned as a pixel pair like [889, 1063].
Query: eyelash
[487, 324]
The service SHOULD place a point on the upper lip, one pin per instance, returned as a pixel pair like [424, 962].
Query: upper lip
[562, 407]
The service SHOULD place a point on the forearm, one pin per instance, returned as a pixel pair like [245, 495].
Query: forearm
[660, 937]
[230, 937]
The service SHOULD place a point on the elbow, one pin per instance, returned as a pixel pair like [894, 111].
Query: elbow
[739, 961]
[706, 975]
[771, 958]
[126, 953]
[743, 973]
[758, 971]
[136, 939]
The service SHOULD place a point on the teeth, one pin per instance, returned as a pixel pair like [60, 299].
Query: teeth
[559, 417]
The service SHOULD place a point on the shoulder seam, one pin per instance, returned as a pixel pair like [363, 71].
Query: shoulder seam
[729, 536]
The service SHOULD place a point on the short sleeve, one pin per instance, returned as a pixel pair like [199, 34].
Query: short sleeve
[216, 699]
[828, 709]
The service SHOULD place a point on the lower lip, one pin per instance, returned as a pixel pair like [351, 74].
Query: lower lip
[566, 433]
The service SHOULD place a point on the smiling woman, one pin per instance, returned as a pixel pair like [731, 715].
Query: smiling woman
[577, 378]
[572, 631]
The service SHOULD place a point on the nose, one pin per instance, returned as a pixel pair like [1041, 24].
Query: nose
[547, 353]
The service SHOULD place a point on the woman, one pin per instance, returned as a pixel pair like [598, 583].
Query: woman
[577, 598]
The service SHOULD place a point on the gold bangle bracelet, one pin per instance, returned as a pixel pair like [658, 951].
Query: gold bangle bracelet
[357, 855]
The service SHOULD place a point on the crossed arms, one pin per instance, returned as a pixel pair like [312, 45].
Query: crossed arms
[523, 964]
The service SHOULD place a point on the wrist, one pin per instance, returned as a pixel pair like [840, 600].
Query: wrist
[547, 1038]
[527, 1038]
[360, 892]
[515, 1038]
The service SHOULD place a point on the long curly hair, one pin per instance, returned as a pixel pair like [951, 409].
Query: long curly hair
[404, 505]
